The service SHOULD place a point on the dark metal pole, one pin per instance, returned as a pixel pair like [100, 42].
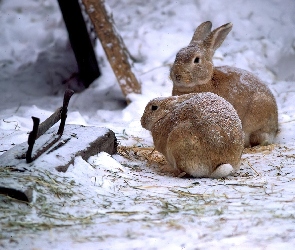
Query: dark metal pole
[32, 138]
[80, 41]
[63, 115]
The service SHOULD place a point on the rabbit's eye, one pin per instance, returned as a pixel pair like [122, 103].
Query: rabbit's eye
[197, 60]
[154, 107]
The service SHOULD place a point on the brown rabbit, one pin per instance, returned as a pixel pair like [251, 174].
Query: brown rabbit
[200, 134]
[193, 72]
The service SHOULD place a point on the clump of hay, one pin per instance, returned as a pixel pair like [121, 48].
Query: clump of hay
[148, 154]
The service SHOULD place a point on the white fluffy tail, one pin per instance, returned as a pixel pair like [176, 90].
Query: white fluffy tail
[222, 171]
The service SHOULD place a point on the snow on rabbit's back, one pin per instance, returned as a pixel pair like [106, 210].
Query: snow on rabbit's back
[200, 134]
[193, 72]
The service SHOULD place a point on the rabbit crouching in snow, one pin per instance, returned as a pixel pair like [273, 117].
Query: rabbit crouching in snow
[200, 134]
[193, 72]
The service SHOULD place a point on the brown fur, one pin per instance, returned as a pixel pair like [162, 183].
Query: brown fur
[196, 132]
[252, 99]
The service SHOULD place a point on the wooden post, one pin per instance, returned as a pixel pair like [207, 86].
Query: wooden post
[80, 41]
[113, 46]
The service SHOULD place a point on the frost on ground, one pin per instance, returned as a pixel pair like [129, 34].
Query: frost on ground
[131, 200]
[106, 204]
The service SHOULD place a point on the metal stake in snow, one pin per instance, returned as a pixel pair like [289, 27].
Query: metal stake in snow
[64, 110]
[38, 130]
[32, 138]
[57, 147]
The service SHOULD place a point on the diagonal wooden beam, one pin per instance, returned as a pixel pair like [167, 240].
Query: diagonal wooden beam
[113, 46]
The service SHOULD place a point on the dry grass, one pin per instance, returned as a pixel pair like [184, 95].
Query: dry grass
[148, 154]
[260, 149]
[164, 203]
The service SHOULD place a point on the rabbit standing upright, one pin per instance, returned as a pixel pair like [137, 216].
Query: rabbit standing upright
[200, 134]
[193, 72]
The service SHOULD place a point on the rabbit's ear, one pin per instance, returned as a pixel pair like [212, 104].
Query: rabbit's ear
[201, 32]
[218, 35]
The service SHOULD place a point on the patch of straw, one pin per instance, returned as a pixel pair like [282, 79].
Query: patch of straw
[260, 149]
[148, 154]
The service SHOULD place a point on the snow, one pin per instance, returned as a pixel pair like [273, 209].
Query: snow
[69, 145]
[128, 202]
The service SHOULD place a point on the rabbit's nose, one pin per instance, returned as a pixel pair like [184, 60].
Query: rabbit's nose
[178, 77]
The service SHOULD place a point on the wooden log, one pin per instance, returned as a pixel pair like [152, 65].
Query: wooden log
[113, 46]
[76, 140]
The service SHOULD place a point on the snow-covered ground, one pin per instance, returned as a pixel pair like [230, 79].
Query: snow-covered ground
[130, 202]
